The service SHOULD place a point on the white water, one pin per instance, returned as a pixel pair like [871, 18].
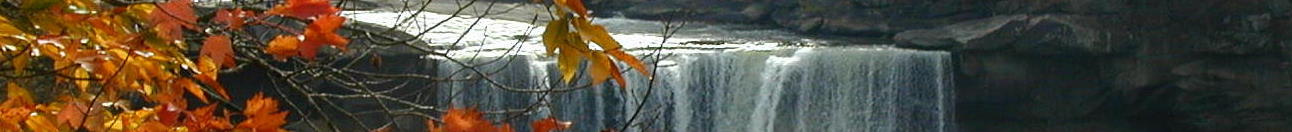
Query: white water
[752, 85]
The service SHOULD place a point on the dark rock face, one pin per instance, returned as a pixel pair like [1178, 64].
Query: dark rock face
[1065, 65]
[1151, 66]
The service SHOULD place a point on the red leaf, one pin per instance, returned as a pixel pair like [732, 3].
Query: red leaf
[549, 124]
[234, 18]
[575, 6]
[322, 31]
[168, 114]
[304, 9]
[218, 48]
[467, 120]
[172, 17]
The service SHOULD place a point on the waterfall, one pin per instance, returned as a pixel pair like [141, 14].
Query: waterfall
[859, 88]
[751, 82]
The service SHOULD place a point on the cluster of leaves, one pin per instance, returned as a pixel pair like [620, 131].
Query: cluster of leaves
[568, 36]
[568, 39]
[111, 49]
[102, 55]
[470, 120]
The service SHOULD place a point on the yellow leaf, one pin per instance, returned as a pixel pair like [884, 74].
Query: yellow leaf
[556, 34]
[18, 95]
[7, 30]
[41, 124]
[20, 63]
[596, 34]
[568, 63]
[599, 67]
[81, 84]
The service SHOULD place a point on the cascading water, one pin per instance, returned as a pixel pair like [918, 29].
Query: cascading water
[752, 86]
[807, 89]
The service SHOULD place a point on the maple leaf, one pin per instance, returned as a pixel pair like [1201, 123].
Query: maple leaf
[12, 116]
[322, 31]
[234, 18]
[204, 119]
[220, 50]
[171, 17]
[283, 46]
[466, 120]
[262, 115]
[549, 124]
[304, 9]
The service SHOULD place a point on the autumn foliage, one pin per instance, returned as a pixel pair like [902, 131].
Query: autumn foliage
[104, 57]
[568, 36]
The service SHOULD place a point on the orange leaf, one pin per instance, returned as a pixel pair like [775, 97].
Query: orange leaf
[12, 117]
[599, 67]
[207, 73]
[322, 31]
[171, 17]
[204, 119]
[549, 124]
[304, 9]
[234, 18]
[430, 126]
[283, 47]
[192, 88]
[619, 77]
[262, 115]
[468, 120]
[218, 48]
[18, 96]
[73, 114]
[630, 60]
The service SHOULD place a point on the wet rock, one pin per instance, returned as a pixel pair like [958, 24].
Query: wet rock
[1044, 34]
[982, 34]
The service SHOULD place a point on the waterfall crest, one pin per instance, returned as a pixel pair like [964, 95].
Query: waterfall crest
[870, 88]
